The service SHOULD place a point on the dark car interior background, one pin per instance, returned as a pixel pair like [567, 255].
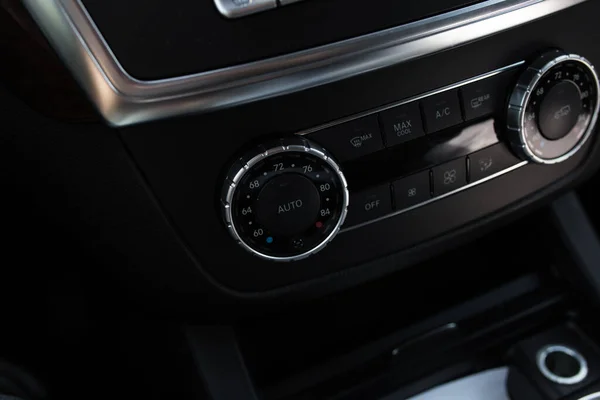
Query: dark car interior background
[299, 199]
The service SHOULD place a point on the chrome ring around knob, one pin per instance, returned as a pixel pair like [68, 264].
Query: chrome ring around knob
[311, 159]
[524, 105]
[576, 378]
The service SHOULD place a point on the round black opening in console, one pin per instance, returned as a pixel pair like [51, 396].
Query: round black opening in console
[561, 364]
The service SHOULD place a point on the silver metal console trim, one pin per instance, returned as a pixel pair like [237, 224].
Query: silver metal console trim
[557, 348]
[230, 9]
[124, 100]
[443, 196]
[593, 396]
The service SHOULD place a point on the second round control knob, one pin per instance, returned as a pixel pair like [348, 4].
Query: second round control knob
[554, 108]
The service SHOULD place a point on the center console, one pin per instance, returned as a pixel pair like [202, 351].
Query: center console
[317, 199]
[288, 198]
[345, 157]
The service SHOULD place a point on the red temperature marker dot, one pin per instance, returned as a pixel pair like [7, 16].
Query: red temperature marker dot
[319, 224]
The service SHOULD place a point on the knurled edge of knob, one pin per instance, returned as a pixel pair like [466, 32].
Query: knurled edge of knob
[549, 59]
[520, 98]
[324, 155]
[529, 79]
[272, 148]
[596, 82]
[234, 175]
[299, 143]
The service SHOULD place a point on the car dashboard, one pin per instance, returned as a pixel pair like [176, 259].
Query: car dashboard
[312, 199]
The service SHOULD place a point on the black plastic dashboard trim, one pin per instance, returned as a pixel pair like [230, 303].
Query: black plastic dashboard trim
[581, 239]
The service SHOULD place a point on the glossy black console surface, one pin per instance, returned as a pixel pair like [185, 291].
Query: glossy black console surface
[160, 39]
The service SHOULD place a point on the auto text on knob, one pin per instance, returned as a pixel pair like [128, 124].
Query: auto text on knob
[292, 205]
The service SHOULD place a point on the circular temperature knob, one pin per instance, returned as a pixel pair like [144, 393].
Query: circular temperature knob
[554, 107]
[286, 200]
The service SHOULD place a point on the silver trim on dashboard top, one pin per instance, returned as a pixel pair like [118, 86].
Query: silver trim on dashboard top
[124, 100]
[242, 8]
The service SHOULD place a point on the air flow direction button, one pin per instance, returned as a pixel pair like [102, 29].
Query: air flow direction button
[449, 176]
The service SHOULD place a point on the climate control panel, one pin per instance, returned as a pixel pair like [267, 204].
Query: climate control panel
[288, 198]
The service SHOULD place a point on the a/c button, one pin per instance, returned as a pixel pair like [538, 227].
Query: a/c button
[441, 111]
[369, 204]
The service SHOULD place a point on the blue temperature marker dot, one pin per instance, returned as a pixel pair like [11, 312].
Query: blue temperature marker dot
[269, 240]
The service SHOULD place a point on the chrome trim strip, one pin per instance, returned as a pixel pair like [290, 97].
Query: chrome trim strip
[561, 380]
[124, 100]
[237, 8]
[470, 185]
[426, 335]
[593, 396]
[412, 99]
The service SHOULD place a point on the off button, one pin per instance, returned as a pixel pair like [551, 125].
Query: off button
[369, 204]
